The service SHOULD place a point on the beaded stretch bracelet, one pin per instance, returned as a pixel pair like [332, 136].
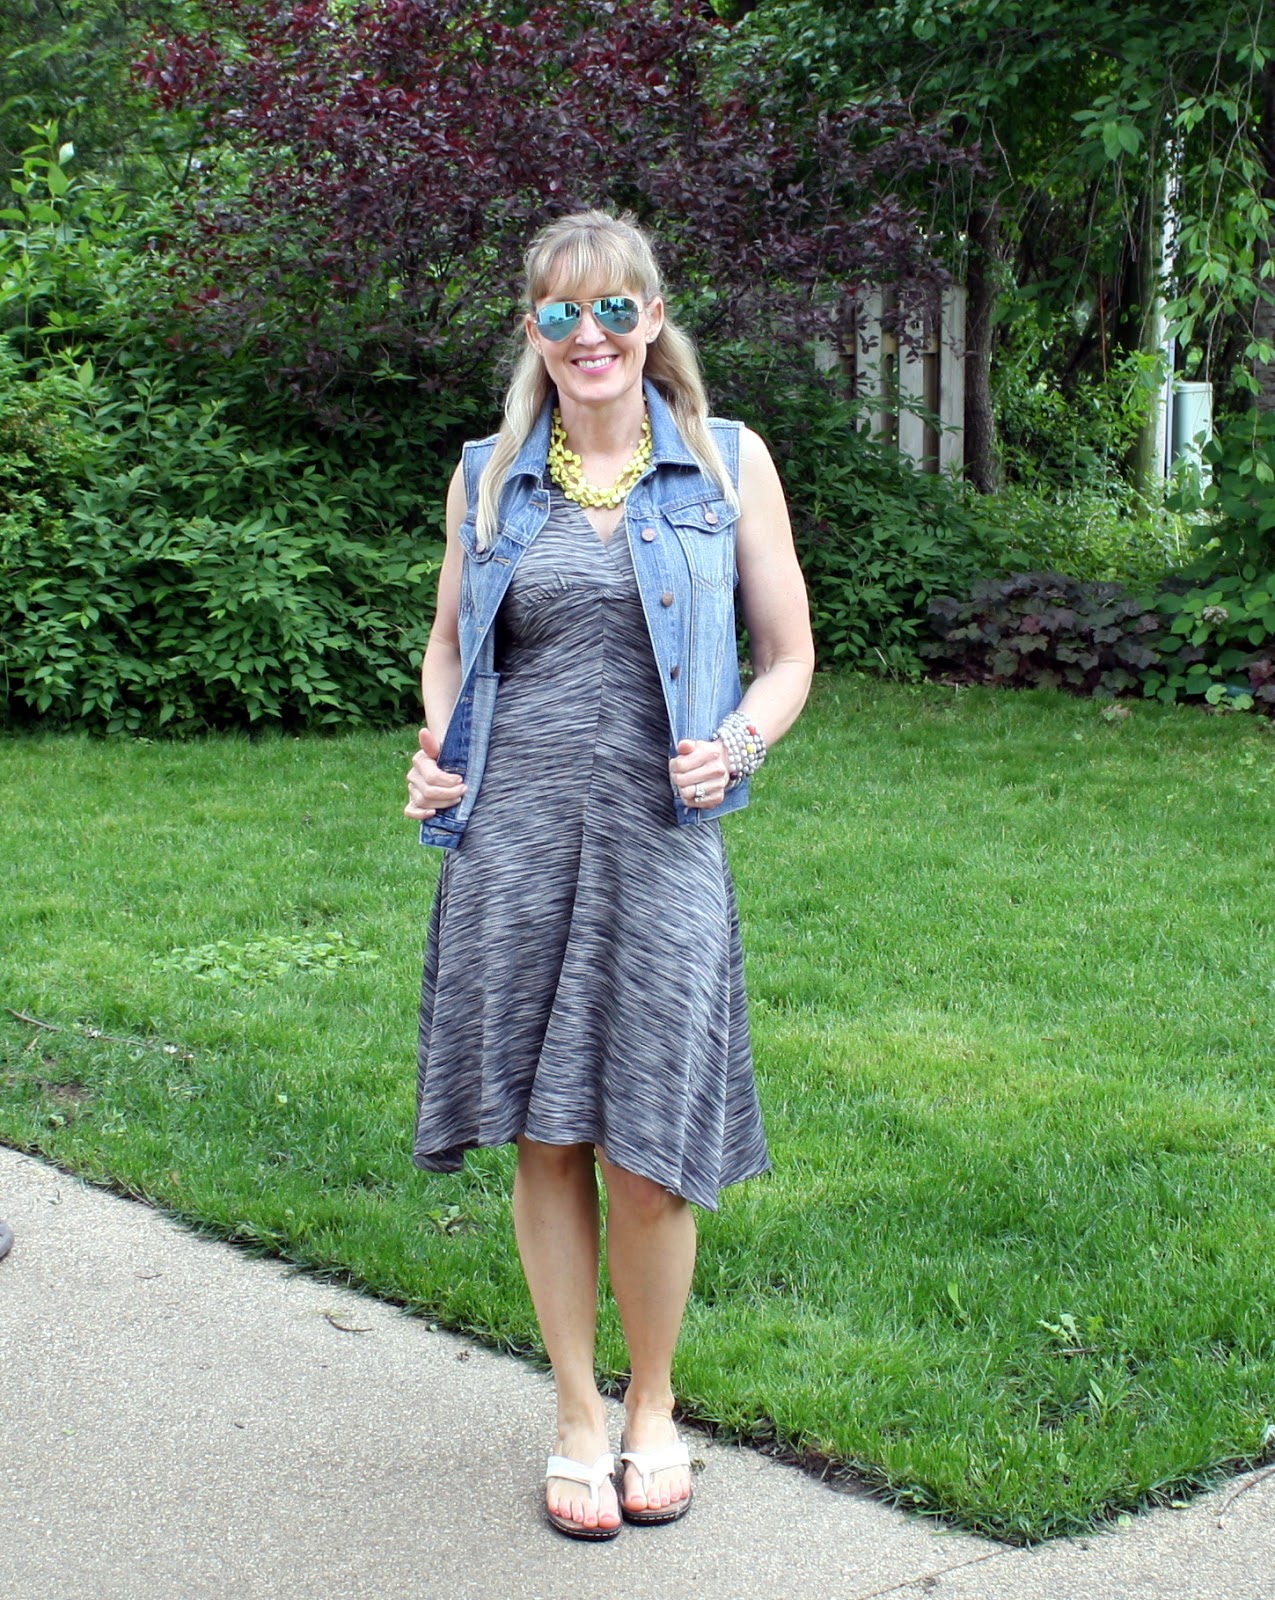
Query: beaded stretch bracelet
[745, 747]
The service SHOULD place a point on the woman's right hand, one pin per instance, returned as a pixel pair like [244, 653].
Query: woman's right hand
[429, 788]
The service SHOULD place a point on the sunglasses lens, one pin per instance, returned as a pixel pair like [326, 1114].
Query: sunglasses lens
[617, 313]
[558, 320]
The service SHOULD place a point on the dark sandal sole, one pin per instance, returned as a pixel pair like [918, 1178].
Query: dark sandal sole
[655, 1519]
[574, 1530]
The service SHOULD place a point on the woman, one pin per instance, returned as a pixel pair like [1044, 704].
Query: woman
[583, 990]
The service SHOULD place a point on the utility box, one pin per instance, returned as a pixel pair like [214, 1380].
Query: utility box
[1191, 424]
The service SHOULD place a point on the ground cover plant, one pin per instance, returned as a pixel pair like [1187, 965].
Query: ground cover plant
[1013, 991]
[1211, 642]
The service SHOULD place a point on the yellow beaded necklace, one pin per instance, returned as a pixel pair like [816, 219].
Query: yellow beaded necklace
[567, 469]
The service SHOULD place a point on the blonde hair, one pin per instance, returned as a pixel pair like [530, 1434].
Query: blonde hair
[571, 255]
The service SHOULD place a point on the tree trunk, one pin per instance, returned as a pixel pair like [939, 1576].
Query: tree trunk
[1264, 306]
[1148, 457]
[981, 467]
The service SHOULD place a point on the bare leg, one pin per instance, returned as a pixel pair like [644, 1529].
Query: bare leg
[556, 1224]
[651, 1257]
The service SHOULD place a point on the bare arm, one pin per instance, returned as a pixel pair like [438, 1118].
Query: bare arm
[777, 614]
[429, 788]
[440, 670]
[772, 593]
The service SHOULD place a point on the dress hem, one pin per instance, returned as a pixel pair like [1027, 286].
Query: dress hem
[452, 1160]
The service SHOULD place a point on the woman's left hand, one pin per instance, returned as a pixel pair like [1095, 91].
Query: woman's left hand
[699, 772]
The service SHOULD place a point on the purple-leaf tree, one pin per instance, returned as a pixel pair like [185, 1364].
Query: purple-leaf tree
[372, 173]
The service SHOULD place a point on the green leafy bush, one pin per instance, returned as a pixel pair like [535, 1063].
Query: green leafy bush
[210, 570]
[1067, 504]
[1091, 531]
[43, 451]
[1220, 643]
[878, 540]
[180, 546]
[1052, 438]
[1238, 525]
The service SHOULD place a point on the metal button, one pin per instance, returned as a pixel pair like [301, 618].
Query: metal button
[666, 599]
[674, 671]
[647, 535]
[710, 517]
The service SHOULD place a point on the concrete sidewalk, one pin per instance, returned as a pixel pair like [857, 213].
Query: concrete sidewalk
[178, 1419]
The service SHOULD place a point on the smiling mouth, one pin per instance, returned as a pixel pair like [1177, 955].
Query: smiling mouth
[593, 363]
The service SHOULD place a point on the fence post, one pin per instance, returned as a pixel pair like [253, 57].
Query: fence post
[908, 385]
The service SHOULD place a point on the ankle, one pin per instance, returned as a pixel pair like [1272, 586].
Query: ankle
[649, 1403]
[581, 1414]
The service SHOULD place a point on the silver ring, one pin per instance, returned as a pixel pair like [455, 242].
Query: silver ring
[697, 793]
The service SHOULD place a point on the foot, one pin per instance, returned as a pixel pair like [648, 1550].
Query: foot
[647, 1433]
[569, 1502]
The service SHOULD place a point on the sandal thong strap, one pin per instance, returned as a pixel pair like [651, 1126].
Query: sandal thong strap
[646, 1463]
[576, 1472]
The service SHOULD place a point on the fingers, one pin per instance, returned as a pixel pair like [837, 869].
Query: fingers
[429, 788]
[699, 773]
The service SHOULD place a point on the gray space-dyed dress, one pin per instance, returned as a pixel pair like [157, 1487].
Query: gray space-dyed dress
[584, 977]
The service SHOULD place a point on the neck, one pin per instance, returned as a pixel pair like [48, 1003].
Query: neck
[610, 429]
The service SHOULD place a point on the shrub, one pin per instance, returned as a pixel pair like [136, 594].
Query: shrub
[1051, 438]
[211, 570]
[1213, 643]
[877, 539]
[1092, 531]
[1220, 643]
[1238, 526]
[1045, 630]
[43, 452]
[179, 546]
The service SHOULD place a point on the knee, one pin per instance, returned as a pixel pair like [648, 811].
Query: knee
[639, 1199]
[554, 1163]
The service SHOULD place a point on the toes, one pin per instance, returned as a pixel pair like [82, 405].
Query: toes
[661, 1493]
[569, 1503]
[565, 1503]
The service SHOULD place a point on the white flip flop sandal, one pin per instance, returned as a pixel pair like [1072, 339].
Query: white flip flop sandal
[646, 1463]
[593, 1478]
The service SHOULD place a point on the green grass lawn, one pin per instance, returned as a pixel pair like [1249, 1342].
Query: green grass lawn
[1013, 986]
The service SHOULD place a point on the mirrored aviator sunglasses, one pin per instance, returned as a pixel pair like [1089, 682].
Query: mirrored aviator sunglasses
[617, 313]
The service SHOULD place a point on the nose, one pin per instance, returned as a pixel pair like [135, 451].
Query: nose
[590, 329]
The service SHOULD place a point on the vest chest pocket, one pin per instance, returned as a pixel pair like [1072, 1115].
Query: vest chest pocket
[706, 531]
[476, 570]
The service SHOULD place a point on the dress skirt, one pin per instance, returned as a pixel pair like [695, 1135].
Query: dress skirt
[584, 975]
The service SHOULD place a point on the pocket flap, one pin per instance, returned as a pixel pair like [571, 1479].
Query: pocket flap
[704, 516]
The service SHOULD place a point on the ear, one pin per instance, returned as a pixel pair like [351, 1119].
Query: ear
[532, 332]
[654, 319]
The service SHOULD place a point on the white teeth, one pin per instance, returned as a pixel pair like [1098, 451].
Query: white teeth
[591, 364]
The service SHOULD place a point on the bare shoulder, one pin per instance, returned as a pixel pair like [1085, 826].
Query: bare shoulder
[757, 472]
[752, 446]
[763, 519]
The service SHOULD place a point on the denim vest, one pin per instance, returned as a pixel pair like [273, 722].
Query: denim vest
[682, 536]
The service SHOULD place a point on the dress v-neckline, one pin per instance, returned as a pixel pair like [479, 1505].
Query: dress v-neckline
[579, 511]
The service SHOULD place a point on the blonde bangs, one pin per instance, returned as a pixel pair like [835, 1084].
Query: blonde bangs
[591, 252]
